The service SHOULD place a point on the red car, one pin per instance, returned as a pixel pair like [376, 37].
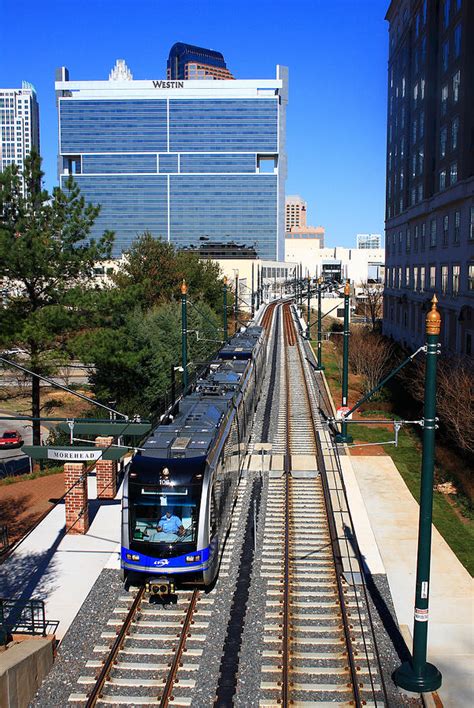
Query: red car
[10, 438]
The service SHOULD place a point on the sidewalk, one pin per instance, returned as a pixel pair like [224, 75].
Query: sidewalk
[61, 569]
[393, 515]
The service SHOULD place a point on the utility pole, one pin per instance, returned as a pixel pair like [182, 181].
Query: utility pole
[308, 333]
[184, 334]
[418, 675]
[343, 436]
[320, 366]
[224, 313]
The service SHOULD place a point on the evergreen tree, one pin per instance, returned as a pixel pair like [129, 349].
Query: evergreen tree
[47, 260]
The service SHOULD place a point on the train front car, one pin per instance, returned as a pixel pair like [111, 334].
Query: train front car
[180, 489]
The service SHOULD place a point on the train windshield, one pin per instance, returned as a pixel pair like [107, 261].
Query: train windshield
[164, 516]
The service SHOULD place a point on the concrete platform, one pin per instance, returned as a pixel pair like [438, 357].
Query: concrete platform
[61, 569]
[393, 516]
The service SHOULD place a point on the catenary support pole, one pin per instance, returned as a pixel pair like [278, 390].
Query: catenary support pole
[320, 366]
[418, 675]
[253, 292]
[308, 332]
[184, 334]
[236, 301]
[224, 311]
[343, 436]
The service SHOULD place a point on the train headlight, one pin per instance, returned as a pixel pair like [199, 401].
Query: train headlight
[133, 557]
[194, 558]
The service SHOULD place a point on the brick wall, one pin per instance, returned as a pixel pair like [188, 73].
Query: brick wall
[106, 472]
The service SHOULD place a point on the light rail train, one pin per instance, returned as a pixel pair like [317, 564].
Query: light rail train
[181, 486]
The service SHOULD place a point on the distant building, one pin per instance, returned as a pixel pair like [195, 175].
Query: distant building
[184, 160]
[19, 124]
[295, 211]
[303, 243]
[186, 61]
[429, 236]
[369, 241]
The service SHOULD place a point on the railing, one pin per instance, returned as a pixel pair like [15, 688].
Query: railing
[28, 616]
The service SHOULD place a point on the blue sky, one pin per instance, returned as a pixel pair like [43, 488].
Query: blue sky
[336, 52]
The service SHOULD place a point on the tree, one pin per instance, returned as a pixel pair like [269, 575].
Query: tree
[132, 363]
[47, 258]
[370, 356]
[372, 304]
[152, 268]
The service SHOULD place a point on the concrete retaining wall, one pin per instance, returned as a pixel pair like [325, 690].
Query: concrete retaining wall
[22, 669]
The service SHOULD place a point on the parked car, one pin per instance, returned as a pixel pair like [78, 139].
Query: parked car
[10, 438]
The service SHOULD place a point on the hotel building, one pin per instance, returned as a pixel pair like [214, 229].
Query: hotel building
[19, 124]
[186, 160]
[429, 236]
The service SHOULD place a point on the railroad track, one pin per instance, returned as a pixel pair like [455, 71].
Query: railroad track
[151, 653]
[316, 647]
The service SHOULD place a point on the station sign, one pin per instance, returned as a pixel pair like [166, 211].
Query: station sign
[114, 428]
[73, 454]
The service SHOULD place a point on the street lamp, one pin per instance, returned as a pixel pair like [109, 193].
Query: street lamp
[184, 334]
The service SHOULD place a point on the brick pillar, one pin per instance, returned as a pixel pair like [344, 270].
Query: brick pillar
[106, 472]
[77, 512]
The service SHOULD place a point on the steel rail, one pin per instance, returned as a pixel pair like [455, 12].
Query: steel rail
[286, 562]
[96, 692]
[167, 695]
[346, 627]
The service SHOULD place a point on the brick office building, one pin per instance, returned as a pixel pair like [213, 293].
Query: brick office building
[430, 171]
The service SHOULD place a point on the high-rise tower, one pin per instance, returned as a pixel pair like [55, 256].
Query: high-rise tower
[186, 61]
[19, 124]
[185, 160]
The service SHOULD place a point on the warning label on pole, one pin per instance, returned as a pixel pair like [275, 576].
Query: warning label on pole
[421, 615]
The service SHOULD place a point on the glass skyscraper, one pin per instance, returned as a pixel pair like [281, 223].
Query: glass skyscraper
[185, 160]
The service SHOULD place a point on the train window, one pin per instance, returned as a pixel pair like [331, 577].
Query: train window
[213, 512]
[160, 515]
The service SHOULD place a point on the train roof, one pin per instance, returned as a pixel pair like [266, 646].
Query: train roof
[242, 344]
[194, 429]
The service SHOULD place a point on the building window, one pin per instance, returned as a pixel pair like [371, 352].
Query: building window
[446, 9]
[457, 226]
[423, 236]
[443, 139]
[433, 233]
[413, 165]
[445, 230]
[399, 277]
[445, 55]
[415, 239]
[415, 277]
[456, 85]
[420, 192]
[470, 277]
[422, 278]
[400, 239]
[415, 92]
[444, 99]
[456, 274]
[407, 276]
[471, 225]
[408, 241]
[421, 160]
[457, 41]
[453, 173]
[444, 279]
[454, 133]
[442, 179]
[432, 277]
[414, 130]
[413, 196]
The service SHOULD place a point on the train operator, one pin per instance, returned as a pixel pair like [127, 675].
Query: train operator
[170, 523]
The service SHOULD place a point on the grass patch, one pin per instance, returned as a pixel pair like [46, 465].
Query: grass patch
[457, 533]
[30, 475]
